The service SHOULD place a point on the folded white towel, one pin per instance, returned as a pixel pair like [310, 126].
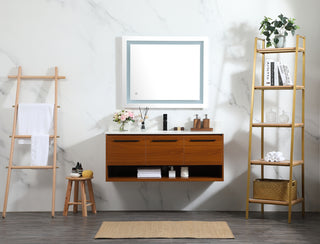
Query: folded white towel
[39, 150]
[36, 120]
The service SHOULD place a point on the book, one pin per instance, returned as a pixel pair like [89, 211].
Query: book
[276, 76]
[282, 76]
[272, 72]
[267, 72]
[279, 77]
[288, 81]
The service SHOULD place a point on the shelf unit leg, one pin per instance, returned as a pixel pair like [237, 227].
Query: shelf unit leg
[302, 185]
[262, 129]
[250, 128]
[303, 121]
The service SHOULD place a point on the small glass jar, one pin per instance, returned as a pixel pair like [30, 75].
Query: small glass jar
[283, 118]
[271, 116]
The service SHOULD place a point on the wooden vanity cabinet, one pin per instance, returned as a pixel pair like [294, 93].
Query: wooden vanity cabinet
[202, 154]
[125, 150]
[164, 150]
[203, 149]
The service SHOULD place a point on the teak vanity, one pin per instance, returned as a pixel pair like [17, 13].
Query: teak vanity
[202, 153]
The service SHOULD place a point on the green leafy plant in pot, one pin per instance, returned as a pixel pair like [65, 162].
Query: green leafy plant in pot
[277, 30]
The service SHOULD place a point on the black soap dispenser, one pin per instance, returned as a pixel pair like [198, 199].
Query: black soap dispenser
[165, 122]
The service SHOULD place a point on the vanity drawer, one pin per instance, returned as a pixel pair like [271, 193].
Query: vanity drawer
[125, 150]
[164, 150]
[206, 149]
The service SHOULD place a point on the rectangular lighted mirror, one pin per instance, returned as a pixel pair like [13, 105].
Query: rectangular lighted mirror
[164, 72]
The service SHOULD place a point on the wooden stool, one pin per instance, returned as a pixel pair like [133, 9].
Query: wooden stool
[84, 200]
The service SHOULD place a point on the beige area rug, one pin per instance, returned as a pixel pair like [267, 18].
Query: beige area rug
[164, 229]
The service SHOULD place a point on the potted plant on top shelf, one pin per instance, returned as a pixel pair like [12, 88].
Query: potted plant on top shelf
[277, 30]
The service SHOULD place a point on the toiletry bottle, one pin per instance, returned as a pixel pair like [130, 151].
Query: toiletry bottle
[165, 122]
[196, 122]
[184, 172]
[206, 122]
[172, 173]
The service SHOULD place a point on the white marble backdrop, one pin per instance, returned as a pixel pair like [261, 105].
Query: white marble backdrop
[82, 38]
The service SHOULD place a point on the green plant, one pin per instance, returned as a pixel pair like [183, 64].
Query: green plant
[280, 26]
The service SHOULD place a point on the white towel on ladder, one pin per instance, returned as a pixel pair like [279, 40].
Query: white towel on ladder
[36, 120]
[39, 150]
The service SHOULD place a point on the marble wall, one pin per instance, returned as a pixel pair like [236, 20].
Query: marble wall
[82, 38]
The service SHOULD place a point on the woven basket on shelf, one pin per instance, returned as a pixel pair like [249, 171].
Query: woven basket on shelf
[271, 189]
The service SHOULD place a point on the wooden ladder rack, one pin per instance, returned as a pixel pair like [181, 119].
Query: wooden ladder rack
[20, 77]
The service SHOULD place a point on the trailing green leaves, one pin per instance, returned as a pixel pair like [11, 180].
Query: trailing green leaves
[280, 26]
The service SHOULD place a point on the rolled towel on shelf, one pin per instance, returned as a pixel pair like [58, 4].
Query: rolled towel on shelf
[274, 156]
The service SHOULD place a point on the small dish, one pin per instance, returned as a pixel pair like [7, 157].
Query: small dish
[75, 175]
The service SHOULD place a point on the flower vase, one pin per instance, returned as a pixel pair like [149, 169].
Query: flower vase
[122, 124]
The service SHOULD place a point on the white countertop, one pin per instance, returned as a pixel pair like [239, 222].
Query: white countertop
[160, 132]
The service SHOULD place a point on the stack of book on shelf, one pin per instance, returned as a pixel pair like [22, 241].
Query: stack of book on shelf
[276, 74]
[149, 173]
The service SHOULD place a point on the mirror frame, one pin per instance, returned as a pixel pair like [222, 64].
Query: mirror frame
[127, 44]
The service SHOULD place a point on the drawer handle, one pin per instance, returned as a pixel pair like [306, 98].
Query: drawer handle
[202, 140]
[164, 140]
[126, 140]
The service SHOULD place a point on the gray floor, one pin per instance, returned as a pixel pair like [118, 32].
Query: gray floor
[34, 227]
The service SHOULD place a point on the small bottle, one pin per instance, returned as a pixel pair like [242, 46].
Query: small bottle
[172, 173]
[283, 118]
[196, 122]
[184, 172]
[206, 122]
[143, 127]
[79, 168]
[271, 116]
[165, 122]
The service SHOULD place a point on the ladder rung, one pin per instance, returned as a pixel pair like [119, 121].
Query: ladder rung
[36, 77]
[15, 105]
[29, 136]
[32, 167]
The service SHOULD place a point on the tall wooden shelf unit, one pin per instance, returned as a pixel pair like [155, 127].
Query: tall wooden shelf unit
[293, 125]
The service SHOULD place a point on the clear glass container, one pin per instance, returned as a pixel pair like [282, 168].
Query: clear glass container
[283, 117]
[271, 116]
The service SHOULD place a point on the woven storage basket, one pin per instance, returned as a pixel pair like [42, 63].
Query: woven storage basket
[271, 189]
